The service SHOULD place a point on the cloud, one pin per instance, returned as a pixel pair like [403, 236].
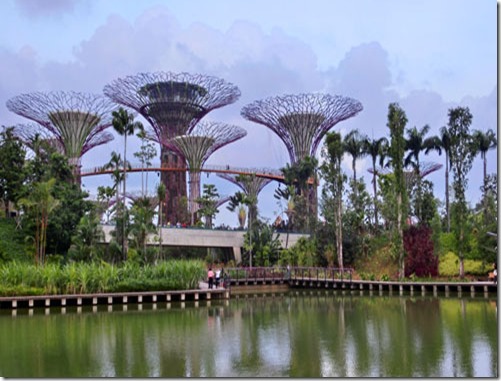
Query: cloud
[45, 8]
[260, 63]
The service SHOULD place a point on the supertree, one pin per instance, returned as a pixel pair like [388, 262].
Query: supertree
[76, 120]
[251, 186]
[196, 147]
[301, 121]
[172, 103]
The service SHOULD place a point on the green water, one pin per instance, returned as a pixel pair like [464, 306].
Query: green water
[307, 335]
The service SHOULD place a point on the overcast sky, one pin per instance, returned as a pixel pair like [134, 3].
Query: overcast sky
[427, 55]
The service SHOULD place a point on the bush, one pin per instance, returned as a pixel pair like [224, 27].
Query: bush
[449, 266]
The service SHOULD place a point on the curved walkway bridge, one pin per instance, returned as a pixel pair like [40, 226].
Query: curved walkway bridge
[267, 173]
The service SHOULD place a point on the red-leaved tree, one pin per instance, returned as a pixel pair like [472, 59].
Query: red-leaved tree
[420, 259]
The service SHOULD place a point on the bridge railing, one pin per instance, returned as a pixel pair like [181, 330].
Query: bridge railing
[321, 273]
[291, 273]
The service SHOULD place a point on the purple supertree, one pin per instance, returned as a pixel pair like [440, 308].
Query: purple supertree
[196, 147]
[76, 120]
[251, 185]
[35, 137]
[301, 121]
[173, 103]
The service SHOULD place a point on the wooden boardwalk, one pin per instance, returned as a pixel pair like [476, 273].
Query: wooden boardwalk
[124, 298]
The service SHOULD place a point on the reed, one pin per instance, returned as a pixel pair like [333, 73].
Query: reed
[18, 278]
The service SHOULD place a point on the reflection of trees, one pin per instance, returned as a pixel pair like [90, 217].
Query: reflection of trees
[304, 339]
[325, 334]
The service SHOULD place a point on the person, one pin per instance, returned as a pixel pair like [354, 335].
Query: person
[210, 277]
[223, 275]
[495, 273]
[218, 277]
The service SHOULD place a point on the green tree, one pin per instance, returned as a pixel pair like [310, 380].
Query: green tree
[208, 204]
[240, 199]
[123, 123]
[333, 189]
[85, 243]
[12, 175]
[483, 142]
[461, 155]
[375, 148]
[141, 213]
[396, 123]
[299, 174]
[414, 145]
[441, 143]
[161, 193]
[146, 153]
[38, 207]
[353, 144]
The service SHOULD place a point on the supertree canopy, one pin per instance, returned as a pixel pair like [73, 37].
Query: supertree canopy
[301, 120]
[203, 140]
[76, 120]
[425, 168]
[251, 185]
[36, 137]
[173, 103]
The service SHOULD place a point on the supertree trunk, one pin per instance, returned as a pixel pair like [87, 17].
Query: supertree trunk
[194, 181]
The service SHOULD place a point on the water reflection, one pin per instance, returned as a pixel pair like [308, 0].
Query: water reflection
[296, 334]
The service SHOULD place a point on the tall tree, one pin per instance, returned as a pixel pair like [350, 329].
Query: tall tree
[414, 145]
[375, 148]
[123, 123]
[12, 158]
[161, 193]
[353, 144]
[396, 123]
[208, 204]
[483, 142]
[441, 143]
[461, 155]
[145, 154]
[39, 205]
[237, 200]
[335, 179]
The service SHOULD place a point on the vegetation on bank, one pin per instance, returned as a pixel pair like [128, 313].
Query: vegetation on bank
[17, 278]
[51, 230]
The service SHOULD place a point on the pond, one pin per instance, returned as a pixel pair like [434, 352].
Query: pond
[304, 334]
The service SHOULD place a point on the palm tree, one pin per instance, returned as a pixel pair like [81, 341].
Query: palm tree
[483, 142]
[353, 144]
[439, 143]
[415, 144]
[375, 148]
[40, 203]
[124, 124]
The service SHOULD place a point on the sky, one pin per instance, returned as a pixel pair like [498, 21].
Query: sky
[427, 55]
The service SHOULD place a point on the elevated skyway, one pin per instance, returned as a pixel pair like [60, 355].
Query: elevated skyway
[199, 237]
[268, 173]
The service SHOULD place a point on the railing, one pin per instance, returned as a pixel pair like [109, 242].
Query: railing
[293, 273]
[321, 273]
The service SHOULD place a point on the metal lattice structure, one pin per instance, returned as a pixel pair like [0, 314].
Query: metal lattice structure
[425, 169]
[202, 141]
[76, 120]
[173, 104]
[29, 134]
[250, 185]
[301, 120]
